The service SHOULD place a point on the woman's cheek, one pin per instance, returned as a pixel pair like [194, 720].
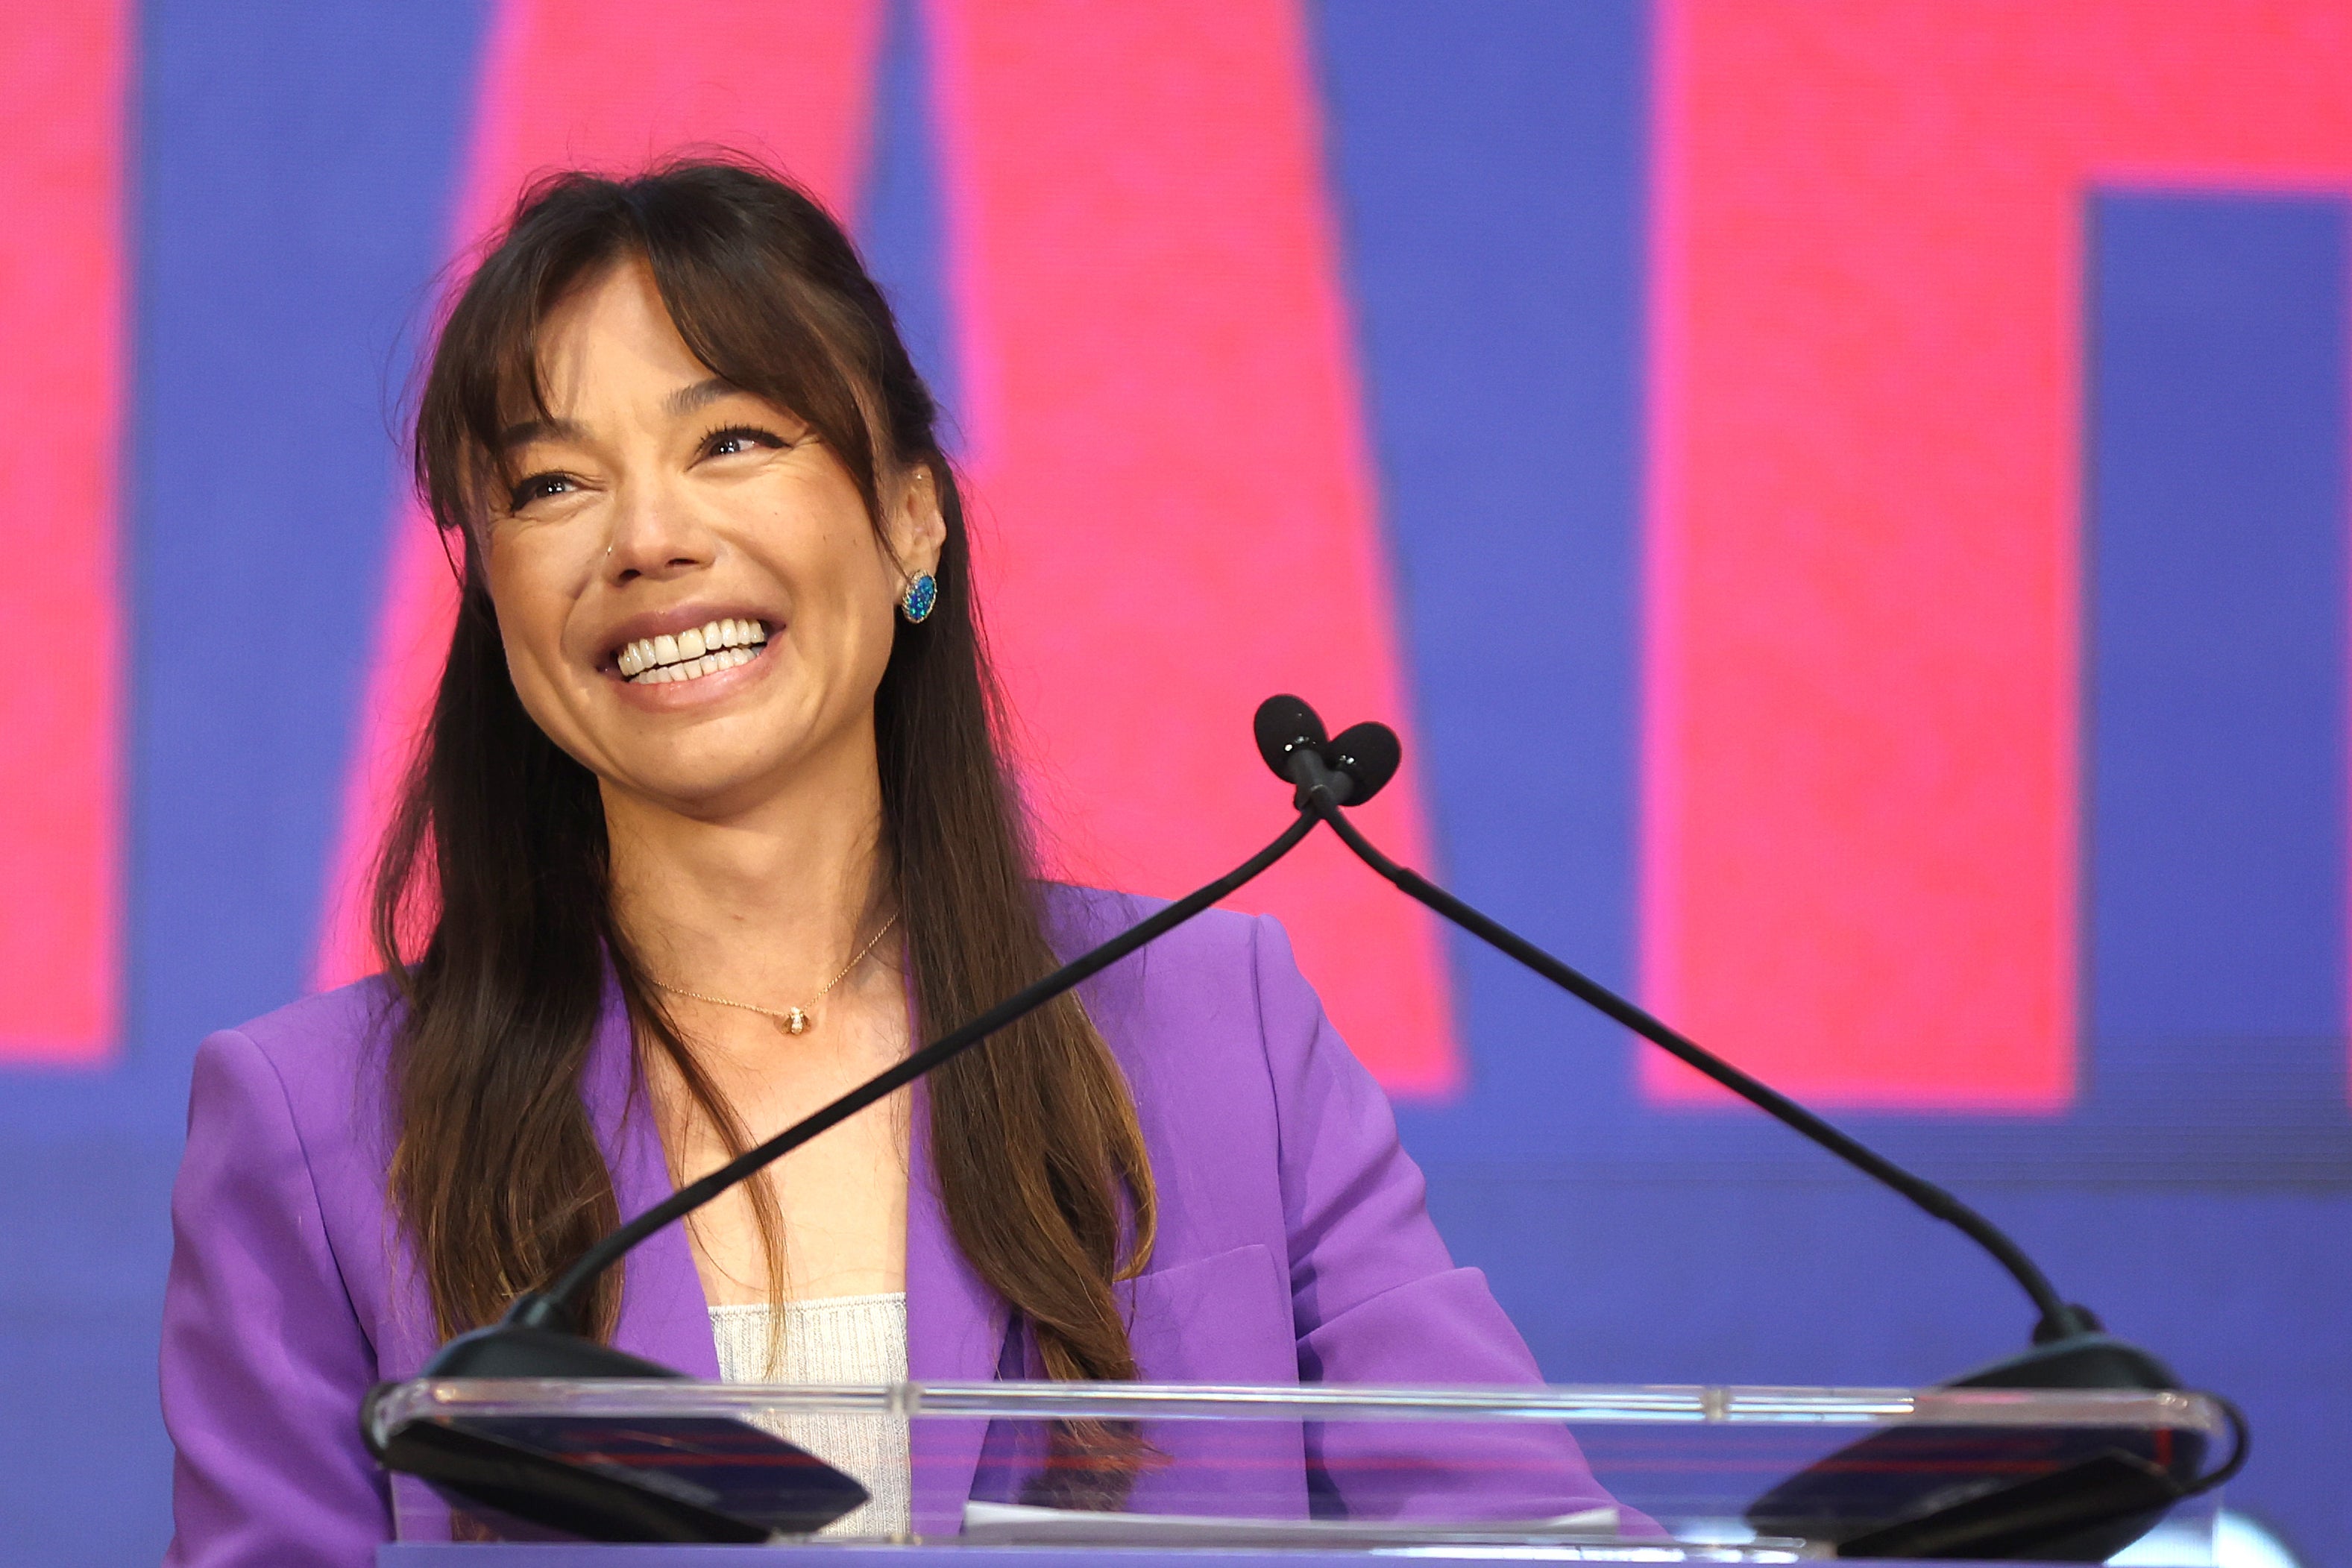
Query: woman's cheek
[529, 588]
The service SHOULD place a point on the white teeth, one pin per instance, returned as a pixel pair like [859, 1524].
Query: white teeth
[700, 651]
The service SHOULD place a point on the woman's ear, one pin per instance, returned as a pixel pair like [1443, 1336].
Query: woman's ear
[918, 529]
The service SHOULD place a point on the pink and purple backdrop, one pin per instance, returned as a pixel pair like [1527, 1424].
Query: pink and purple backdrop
[1846, 500]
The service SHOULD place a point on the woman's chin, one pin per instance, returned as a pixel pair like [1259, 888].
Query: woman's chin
[716, 771]
[725, 790]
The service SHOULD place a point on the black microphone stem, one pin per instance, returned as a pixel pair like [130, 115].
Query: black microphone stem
[2059, 1320]
[552, 1308]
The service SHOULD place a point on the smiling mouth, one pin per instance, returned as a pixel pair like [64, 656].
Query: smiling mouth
[691, 655]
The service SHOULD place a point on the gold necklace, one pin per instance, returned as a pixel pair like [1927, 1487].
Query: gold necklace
[792, 1021]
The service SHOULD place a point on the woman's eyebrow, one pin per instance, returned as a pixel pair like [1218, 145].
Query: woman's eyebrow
[682, 401]
[531, 430]
[685, 400]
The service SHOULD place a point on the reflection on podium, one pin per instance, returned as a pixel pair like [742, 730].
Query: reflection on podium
[1292, 1474]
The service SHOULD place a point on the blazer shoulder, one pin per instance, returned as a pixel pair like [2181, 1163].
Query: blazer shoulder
[1077, 919]
[345, 1022]
[1187, 1015]
[327, 1054]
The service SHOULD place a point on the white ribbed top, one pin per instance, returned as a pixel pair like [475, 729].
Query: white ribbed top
[837, 1339]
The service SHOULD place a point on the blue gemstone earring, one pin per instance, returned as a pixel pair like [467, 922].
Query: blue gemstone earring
[923, 593]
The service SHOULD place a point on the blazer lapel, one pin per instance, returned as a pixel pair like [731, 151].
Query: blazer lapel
[664, 1317]
[955, 1333]
[955, 1323]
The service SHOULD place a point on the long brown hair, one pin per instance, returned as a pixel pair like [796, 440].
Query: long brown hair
[491, 913]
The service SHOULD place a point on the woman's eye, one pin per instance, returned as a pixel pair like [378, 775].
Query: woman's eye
[738, 439]
[539, 487]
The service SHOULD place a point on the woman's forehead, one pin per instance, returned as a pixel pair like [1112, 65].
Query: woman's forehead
[607, 349]
[615, 325]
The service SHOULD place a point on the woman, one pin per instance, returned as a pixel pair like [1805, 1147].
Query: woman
[708, 825]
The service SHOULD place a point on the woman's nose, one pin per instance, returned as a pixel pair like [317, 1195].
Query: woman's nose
[653, 535]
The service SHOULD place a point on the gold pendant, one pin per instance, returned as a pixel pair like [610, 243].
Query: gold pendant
[796, 1022]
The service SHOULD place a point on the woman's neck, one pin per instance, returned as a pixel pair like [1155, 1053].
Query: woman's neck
[763, 906]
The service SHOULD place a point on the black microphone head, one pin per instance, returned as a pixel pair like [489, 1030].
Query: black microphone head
[1368, 753]
[1283, 724]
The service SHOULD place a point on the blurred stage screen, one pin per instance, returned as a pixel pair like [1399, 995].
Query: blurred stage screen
[1845, 500]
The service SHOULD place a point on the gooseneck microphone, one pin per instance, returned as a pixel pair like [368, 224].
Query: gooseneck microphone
[620, 1482]
[2086, 1511]
[1330, 774]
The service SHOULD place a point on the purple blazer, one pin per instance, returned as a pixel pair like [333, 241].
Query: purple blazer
[1294, 1243]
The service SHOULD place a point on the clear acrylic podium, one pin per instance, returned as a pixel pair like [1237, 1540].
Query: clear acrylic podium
[1012, 1473]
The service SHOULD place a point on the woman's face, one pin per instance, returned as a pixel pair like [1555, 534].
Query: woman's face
[693, 601]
